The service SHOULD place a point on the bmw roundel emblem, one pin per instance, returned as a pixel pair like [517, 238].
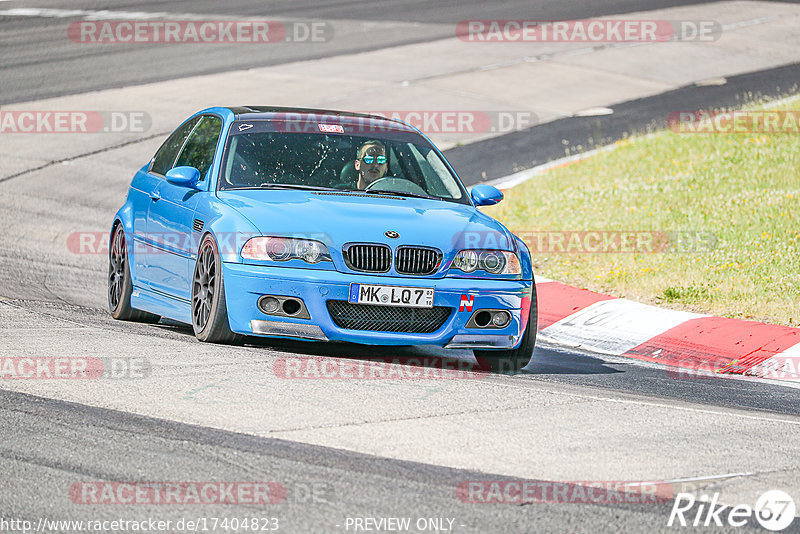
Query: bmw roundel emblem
[391, 234]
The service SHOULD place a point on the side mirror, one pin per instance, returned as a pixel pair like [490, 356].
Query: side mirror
[184, 176]
[485, 195]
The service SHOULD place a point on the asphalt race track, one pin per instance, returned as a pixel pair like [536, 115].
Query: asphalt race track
[342, 449]
[556, 139]
[33, 58]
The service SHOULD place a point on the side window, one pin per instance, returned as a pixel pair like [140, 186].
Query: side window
[162, 162]
[200, 148]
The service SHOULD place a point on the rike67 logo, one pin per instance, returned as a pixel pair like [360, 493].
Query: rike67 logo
[774, 510]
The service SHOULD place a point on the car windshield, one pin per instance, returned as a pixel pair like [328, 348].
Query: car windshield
[398, 163]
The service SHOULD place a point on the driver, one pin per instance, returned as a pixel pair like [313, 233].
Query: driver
[371, 163]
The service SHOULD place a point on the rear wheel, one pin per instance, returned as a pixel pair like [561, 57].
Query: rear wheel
[120, 283]
[512, 360]
[209, 311]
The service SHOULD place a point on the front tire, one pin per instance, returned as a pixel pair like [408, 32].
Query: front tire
[209, 310]
[512, 360]
[120, 283]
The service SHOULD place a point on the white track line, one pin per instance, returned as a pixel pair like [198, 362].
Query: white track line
[89, 14]
[781, 102]
[709, 478]
[512, 180]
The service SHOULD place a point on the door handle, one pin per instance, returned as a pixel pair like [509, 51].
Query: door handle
[155, 196]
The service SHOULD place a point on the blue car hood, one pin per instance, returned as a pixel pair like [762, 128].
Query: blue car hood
[338, 218]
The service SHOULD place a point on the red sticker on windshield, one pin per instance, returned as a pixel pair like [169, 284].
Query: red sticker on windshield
[331, 128]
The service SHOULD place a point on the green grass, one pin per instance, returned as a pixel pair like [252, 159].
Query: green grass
[744, 189]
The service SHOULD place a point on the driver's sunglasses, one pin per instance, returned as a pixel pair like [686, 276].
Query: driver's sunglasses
[369, 159]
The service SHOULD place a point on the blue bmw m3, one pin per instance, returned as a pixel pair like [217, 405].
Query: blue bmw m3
[319, 225]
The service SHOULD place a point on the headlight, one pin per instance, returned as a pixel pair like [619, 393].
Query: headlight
[285, 249]
[491, 261]
[310, 251]
[466, 260]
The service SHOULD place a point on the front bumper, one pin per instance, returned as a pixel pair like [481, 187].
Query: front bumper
[245, 284]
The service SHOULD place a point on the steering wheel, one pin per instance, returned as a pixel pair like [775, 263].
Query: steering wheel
[399, 185]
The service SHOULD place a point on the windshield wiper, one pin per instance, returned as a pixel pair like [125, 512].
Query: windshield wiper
[296, 186]
[398, 194]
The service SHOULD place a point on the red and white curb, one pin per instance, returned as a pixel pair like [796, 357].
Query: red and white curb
[689, 345]
[698, 346]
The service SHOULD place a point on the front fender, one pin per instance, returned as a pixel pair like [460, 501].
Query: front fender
[229, 227]
[524, 258]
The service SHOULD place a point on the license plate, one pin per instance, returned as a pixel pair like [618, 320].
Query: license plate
[409, 297]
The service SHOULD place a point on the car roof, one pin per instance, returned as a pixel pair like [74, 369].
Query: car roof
[279, 113]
